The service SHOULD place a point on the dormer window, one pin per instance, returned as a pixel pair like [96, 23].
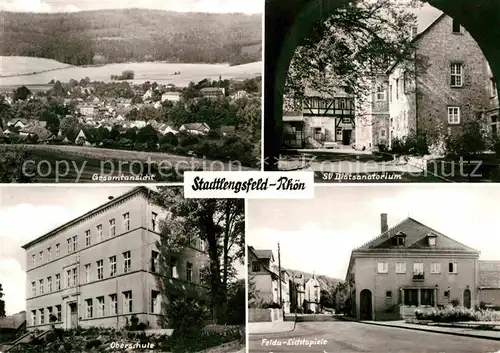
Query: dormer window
[399, 239]
[431, 240]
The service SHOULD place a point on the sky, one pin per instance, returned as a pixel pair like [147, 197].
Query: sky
[212, 6]
[27, 213]
[318, 235]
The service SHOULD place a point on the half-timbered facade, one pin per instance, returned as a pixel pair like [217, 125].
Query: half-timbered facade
[320, 119]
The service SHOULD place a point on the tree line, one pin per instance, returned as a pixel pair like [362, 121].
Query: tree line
[99, 37]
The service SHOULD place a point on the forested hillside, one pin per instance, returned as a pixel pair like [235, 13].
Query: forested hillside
[105, 36]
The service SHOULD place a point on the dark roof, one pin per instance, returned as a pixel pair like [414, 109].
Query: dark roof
[489, 274]
[415, 239]
[264, 254]
[212, 89]
[196, 126]
[116, 200]
[13, 321]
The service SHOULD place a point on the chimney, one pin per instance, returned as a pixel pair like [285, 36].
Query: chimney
[383, 223]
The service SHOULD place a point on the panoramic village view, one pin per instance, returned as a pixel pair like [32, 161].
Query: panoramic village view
[408, 278]
[121, 269]
[416, 98]
[139, 94]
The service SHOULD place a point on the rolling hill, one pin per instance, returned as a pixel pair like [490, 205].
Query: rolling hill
[131, 35]
[23, 65]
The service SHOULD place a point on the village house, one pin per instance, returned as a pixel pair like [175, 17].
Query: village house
[262, 272]
[445, 88]
[489, 283]
[81, 139]
[297, 293]
[213, 92]
[285, 291]
[195, 128]
[171, 97]
[101, 268]
[372, 118]
[87, 110]
[320, 119]
[18, 123]
[407, 267]
[241, 94]
[312, 295]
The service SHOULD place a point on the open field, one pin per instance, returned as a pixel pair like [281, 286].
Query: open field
[25, 65]
[92, 161]
[162, 73]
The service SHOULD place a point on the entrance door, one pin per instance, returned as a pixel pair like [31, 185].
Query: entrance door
[467, 298]
[365, 304]
[73, 315]
[346, 137]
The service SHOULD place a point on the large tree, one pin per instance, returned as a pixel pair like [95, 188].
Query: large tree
[351, 45]
[220, 224]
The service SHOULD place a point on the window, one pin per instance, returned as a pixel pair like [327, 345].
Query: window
[49, 284]
[58, 313]
[414, 31]
[127, 302]
[382, 267]
[342, 104]
[427, 297]
[456, 27]
[127, 261]
[453, 267]
[397, 88]
[380, 96]
[154, 261]
[456, 75]
[154, 224]
[68, 279]
[75, 241]
[493, 87]
[173, 268]
[383, 133]
[58, 282]
[113, 304]
[432, 241]
[75, 277]
[100, 306]
[87, 237]
[49, 313]
[126, 221]
[100, 269]
[87, 273]
[33, 317]
[99, 232]
[255, 266]
[446, 293]
[33, 289]
[418, 268]
[58, 250]
[435, 267]
[189, 271]
[33, 260]
[41, 286]
[495, 124]
[411, 297]
[49, 254]
[112, 230]
[155, 302]
[88, 308]
[112, 266]
[400, 267]
[453, 115]
[42, 316]
[68, 242]
[388, 294]
[390, 93]
[41, 257]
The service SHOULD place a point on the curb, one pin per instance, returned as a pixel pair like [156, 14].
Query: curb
[222, 347]
[270, 333]
[427, 330]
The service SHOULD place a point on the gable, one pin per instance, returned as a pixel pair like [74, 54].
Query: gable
[415, 235]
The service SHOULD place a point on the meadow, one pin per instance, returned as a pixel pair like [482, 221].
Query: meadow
[18, 71]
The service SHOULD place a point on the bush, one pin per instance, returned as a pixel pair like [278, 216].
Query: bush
[93, 344]
[458, 314]
[471, 141]
[412, 144]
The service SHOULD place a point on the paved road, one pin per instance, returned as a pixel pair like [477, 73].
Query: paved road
[353, 337]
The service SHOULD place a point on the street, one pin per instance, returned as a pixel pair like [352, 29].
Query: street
[350, 337]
